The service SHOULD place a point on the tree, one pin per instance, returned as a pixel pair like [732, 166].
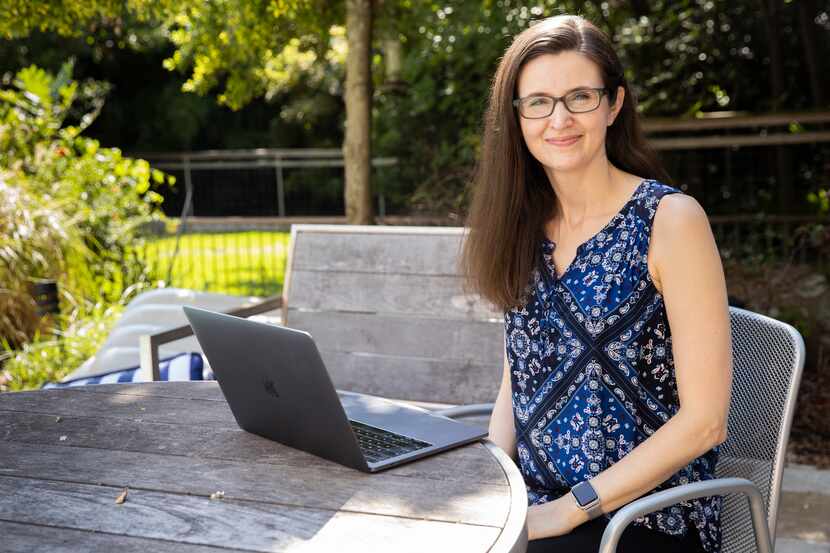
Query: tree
[681, 59]
[245, 49]
[358, 146]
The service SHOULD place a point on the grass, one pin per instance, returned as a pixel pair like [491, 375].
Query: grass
[239, 263]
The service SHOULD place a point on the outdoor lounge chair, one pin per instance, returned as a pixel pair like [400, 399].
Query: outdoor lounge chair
[388, 312]
[155, 311]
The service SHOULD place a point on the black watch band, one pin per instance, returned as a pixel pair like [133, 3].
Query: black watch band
[587, 499]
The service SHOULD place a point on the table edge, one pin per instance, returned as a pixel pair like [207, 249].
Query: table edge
[513, 537]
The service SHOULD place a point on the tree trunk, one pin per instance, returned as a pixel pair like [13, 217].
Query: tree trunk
[783, 156]
[807, 10]
[357, 148]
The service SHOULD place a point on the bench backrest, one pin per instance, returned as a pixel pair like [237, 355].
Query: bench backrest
[389, 315]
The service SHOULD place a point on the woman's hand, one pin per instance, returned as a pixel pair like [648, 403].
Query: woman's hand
[555, 518]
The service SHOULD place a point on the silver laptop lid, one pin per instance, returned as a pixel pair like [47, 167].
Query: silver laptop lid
[296, 404]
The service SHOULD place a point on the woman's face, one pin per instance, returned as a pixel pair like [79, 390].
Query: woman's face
[565, 142]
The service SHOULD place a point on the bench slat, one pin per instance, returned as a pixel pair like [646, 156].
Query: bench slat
[406, 252]
[402, 336]
[439, 381]
[390, 315]
[414, 295]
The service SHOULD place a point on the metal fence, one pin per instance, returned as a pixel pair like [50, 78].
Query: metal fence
[260, 182]
[751, 165]
[741, 164]
[774, 238]
[244, 253]
[247, 256]
[242, 259]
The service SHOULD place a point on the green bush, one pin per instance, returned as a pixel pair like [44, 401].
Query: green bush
[35, 239]
[72, 209]
[49, 358]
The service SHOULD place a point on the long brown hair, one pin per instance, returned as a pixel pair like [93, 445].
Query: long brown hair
[512, 196]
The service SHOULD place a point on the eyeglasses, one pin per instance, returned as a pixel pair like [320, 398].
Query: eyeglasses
[578, 101]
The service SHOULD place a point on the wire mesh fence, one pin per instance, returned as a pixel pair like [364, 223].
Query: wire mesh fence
[247, 256]
[241, 259]
[760, 167]
[759, 239]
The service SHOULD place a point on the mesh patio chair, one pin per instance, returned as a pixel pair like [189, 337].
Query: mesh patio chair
[768, 358]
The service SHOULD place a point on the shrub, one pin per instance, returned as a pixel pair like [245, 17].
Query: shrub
[35, 240]
[75, 208]
[50, 358]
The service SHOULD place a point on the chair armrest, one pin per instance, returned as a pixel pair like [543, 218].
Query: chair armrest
[694, 490]
[149, 344]
[466, 410]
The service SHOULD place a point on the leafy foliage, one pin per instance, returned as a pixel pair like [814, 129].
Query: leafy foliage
[49, 358]
[681, 59]
[73, 18]
[73, 208]
[31, 235]
[250, 48]
[284, 60]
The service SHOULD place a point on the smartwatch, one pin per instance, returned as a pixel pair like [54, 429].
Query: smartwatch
[587, 499]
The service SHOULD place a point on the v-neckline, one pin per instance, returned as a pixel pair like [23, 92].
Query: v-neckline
[581, 247]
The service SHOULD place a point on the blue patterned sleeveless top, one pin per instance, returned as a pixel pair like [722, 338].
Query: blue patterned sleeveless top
[592, 371]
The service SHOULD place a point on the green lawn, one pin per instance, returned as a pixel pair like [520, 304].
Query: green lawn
[240, 263]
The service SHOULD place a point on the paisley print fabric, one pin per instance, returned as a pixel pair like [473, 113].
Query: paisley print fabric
[592, 372]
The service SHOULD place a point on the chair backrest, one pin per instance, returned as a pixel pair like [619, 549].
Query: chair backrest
[387, 310]
[768, 358]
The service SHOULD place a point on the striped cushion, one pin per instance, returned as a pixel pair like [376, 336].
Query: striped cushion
[183, 366]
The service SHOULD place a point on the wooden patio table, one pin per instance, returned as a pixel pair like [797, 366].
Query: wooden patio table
[195, 482]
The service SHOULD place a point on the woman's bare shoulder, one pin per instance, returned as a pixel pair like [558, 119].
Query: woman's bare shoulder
[679, 222]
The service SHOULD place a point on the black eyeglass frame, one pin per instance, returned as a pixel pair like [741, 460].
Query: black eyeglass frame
[556, 99]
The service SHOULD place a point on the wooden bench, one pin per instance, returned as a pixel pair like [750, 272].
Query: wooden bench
[388, 311]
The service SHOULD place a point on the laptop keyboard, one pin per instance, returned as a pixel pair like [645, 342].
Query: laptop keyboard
[378, 445]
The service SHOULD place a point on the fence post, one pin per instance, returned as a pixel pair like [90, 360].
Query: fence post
[188, 186]
[280, 187]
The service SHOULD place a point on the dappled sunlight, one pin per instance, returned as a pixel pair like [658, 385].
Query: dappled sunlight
[815, 536]
[434, 499]
[376, 533]
[124, 399]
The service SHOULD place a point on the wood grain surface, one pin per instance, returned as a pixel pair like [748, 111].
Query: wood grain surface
[66, 455]
[416, 295]
[390, 314]
[405, 252]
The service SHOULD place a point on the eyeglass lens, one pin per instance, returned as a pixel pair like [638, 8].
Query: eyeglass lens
[578, 101]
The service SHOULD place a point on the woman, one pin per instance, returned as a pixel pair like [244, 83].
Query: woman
[617, 372]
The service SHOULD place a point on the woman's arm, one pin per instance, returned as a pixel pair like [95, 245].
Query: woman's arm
[502, 429]
[690, 274]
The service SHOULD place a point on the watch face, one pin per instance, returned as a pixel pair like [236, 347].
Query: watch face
[584, 493]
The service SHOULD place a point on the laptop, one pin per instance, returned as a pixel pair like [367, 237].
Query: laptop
[277, 386]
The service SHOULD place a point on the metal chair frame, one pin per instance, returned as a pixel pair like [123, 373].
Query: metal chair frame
[752, 333]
